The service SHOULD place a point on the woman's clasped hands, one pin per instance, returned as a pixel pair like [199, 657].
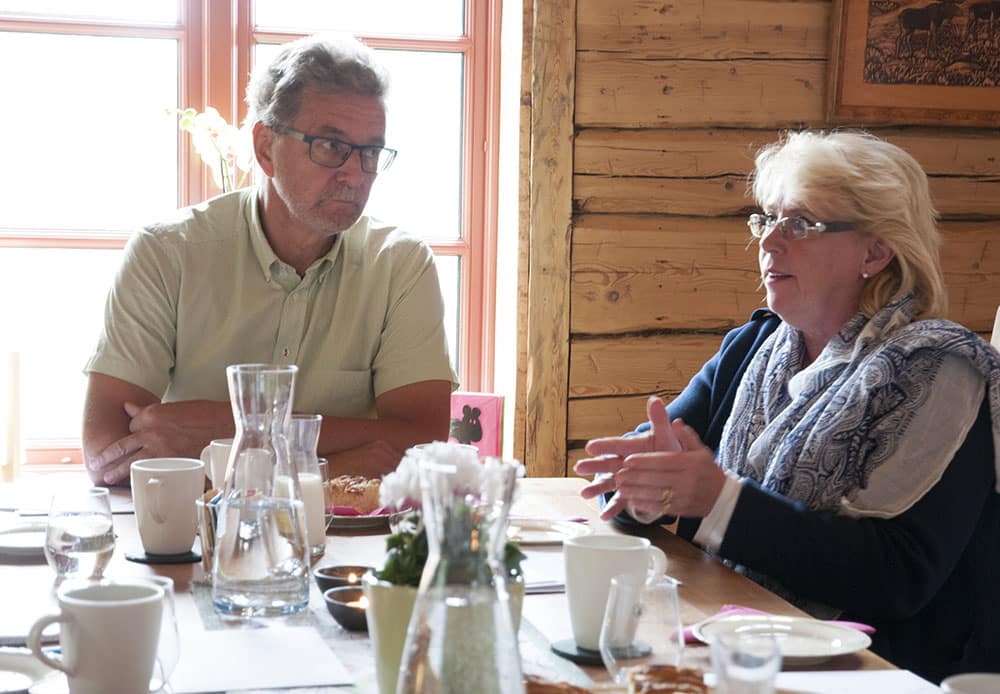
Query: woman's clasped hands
[664, 471]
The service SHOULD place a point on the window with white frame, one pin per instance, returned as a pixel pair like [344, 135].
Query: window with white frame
[93, 151]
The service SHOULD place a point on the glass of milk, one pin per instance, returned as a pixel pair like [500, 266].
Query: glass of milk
[303, 437]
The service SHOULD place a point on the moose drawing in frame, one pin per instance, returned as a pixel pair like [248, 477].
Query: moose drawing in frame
[915, 61]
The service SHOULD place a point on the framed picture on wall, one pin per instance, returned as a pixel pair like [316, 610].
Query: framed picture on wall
[915, 61]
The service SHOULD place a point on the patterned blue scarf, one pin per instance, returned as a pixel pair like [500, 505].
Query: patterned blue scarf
[810, 434]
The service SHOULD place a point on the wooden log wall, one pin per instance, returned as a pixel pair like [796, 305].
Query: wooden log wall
[668, 103]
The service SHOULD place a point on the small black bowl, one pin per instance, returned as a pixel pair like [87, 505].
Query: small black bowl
[328, 577]
[342, 603]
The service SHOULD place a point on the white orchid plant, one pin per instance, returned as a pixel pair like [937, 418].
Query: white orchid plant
[407, 548]
[223, 147]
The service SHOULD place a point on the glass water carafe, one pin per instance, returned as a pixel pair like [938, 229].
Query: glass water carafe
[261, 557]
[461, 635]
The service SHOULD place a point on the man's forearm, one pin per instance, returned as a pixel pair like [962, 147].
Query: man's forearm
[102, 426]
[341, 434]
[408, 415]
[105, 420]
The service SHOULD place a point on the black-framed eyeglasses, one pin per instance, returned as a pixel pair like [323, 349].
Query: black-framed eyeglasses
[793, 228]
[333, 153]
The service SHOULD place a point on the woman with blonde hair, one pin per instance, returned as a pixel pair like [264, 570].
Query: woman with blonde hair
[841, 447]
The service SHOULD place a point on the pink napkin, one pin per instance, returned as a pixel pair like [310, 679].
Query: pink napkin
[728, 610]
[351, 511]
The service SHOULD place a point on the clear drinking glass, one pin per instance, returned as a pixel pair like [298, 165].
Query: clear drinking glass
[745, 663]
[642, 626]
[80, 537]
[168, 652]
[303, 437]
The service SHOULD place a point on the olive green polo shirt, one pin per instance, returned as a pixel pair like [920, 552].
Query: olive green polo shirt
[205, 290]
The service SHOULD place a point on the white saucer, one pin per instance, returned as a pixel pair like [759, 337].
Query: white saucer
[803, 641]
[20, 670]
[23, 540]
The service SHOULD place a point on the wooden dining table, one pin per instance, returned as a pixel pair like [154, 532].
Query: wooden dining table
[706, 584]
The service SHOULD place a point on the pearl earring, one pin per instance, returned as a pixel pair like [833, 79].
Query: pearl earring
[865, 275]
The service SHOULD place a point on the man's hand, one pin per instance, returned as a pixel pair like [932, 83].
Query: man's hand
[178, 429]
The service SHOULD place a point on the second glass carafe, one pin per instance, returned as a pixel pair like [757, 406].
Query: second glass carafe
[461, 635]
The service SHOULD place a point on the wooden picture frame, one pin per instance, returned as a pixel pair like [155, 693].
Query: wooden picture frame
[914, 62]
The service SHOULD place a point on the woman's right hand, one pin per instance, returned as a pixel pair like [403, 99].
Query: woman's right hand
[609, 454]
[666, 470]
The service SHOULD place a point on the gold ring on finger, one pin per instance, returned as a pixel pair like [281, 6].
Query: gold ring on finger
[668, 496]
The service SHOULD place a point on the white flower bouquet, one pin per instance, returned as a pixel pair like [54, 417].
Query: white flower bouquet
[407, 548]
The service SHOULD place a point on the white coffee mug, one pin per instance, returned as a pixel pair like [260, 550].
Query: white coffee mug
[108, 636]
[591, 562]
[216, 458]
[164, 491]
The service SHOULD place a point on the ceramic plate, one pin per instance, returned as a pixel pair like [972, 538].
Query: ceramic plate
[379, 522]
[541, 531]
[23, 540]
[803, 641]
[18, 668]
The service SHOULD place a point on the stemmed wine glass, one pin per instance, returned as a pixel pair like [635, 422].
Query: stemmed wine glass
[642, 626]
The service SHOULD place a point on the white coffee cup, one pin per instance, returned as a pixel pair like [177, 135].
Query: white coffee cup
[216, 458]
[591, 562]
[164, 490]
[108, 636]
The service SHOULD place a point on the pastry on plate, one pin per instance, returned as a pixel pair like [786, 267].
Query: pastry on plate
[354, 491]
[666, 679]
[533, 684]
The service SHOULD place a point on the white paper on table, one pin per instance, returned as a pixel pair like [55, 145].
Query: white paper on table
[233, 659]
[32, 495]
[854, 681]
[544, 570]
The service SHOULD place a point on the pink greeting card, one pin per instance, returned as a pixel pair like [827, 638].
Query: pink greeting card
[477, 419]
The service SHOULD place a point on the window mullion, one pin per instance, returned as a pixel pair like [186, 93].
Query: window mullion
[216, 50]
[480, 199]
[192, 56]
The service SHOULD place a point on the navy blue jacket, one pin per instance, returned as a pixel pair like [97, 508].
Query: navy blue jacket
[928, 579]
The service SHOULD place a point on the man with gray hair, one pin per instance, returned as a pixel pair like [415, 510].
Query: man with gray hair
[288, 271]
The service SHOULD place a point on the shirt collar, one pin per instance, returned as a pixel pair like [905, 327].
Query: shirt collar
[270, 264]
